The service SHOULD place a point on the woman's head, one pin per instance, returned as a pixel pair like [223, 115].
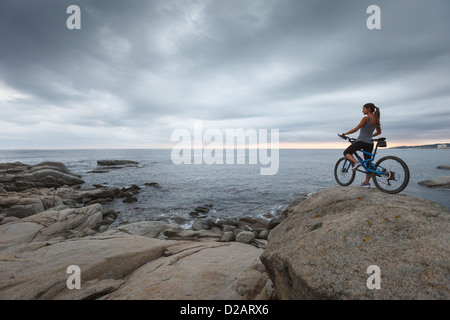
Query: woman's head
[371, 108]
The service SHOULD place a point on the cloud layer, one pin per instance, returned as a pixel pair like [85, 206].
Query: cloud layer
[137, 70]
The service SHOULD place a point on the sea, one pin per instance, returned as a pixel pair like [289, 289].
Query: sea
[231, 190]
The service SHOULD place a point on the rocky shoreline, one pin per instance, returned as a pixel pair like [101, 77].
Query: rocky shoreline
[44, 209]
[28, 190]
[319, 248]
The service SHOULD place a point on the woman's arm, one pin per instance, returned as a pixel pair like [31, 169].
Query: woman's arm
[363, 122]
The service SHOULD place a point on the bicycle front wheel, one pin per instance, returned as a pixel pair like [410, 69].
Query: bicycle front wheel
[393, 176]
[343, 172]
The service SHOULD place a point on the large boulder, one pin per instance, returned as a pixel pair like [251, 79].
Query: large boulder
[328, 245]
[198, 271]
[56, 166]
[27, 203]
[19, 177]
[55, 224]
[151, 229]
[245, 236]
[32, 201]
[86, 196]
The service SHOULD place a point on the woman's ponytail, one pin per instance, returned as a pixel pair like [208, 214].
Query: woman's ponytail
[377, 115]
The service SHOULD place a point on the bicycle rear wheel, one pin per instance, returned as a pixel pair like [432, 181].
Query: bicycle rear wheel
[394, 177]
[343, 172]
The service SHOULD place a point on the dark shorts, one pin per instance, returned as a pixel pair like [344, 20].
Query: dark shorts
[360, 145]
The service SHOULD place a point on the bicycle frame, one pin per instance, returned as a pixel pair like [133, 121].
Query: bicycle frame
[366, 164]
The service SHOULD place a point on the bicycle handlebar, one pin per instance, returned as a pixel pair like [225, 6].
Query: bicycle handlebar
[342, 136]
[352, 140]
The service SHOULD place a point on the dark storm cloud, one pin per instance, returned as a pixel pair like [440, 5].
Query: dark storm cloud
[137, 70]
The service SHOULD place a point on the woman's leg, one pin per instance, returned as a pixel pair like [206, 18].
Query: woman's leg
[351, 158]
[368, 148]
[348, 153]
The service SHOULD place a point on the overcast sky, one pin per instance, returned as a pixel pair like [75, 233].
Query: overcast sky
[137, 70]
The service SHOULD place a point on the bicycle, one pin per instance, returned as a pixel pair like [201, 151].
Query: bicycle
[390, 174]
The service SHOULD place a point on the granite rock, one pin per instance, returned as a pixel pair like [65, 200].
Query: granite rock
[406, 237]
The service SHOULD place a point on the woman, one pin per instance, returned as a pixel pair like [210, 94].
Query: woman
[364, 142]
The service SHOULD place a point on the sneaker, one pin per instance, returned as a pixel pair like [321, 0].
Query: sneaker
[365, 185]
[356, 165]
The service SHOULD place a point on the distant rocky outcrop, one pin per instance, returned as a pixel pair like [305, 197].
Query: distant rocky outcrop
[441, 182]
[18, 176]
[324, 249]
[115, 162]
